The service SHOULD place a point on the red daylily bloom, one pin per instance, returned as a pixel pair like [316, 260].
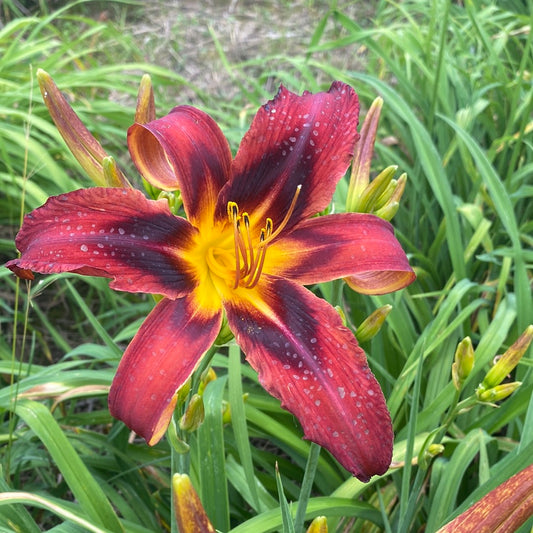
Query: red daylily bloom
[246, 248]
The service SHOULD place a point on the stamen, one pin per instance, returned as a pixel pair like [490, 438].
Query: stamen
[246, 220]
[279, 229]
[253, 260]
[258, 268]
[236, 239]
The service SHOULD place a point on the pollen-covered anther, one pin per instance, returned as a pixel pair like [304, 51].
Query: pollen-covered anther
[250, 257]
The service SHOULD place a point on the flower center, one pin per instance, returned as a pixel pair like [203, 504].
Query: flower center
[249, 252]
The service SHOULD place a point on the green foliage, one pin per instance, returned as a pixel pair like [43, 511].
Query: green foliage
[457, 90]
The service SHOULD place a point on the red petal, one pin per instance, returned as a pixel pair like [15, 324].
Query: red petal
[183, 150]
[114, 233]
[355, 245]
[312, 363]
[160, 358]
[294, 140]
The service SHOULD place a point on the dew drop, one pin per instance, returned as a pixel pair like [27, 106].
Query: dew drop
[84, 248]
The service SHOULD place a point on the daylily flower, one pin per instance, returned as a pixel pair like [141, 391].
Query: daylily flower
[248, 245]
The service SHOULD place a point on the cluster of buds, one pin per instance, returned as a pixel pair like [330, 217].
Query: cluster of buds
[382, 195]
[491, 389]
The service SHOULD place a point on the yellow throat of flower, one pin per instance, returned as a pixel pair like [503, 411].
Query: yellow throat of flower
[230, 257]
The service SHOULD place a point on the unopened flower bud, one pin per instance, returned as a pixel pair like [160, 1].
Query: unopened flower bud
[189, 511]
[183, 392]
[504, 508]
[500, 392]
[318, 525]
[390, 208]
[463, 363]
[508, 360]
[145, 110]
[367, 201]
[206, 377]
[84, 147]
[194, 414]
[388, 211]
[226, 412]
[434, 449]
[372, 324]
[363, 153]
[172, 197]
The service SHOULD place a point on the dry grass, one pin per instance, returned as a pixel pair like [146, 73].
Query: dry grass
[182, 36]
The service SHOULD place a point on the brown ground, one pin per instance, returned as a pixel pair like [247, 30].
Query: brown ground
[182, 35]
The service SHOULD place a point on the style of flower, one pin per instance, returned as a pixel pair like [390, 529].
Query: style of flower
[246, 247]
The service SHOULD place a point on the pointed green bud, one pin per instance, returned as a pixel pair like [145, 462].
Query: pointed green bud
[145, 110]
[84, 147]
[366, 202]
[206, 377]
[226, 412]
[507, 362]
[500, 392]
[194, 414]
[434, 449]
[318, 525]
[463, 362]
[189, 511]
[183, 392]
[388, 211]
[363, 153]
[372, 324]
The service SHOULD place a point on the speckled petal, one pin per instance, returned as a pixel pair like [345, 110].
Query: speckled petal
[294, 140]
[113, 233]
[356, 246]
[183, 150]
[160, 358]
[312, 363]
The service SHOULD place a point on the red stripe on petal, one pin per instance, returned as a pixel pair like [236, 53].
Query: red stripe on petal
[161, 357]
[312, 363]
[356, 246]
[294, 140]
[183, 150]
[114, 233]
